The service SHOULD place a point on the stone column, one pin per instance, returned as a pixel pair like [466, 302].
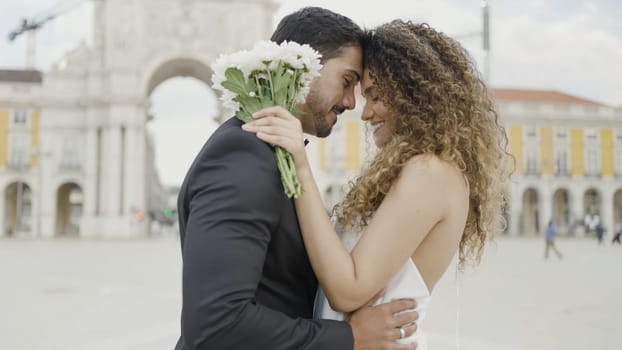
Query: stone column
[3, 224]
[546, 210]
[136, 184]
[46, 193]
[606, 214]
[576, 209]
[516, 209]
[515, 217]
[110, 171]
[91, 195]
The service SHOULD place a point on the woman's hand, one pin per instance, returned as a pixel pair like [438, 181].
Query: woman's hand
[277, 126]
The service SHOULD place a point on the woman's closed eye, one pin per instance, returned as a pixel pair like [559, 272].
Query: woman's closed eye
[373, 98]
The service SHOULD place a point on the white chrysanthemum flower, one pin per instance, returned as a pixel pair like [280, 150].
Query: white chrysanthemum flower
[302, 95]
[228, 102]
[261, 70]
[267, 51]
[266, 56]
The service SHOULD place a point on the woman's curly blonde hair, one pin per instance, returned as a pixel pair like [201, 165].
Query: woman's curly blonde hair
[442, 107]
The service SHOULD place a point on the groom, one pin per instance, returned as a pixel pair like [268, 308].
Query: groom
[247, 280]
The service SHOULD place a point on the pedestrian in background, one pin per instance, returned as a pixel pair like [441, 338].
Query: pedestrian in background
[617, 235]
[600, 233]
[551, 232]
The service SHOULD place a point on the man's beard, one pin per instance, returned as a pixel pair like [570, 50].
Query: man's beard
[322, 129]
[314, 105]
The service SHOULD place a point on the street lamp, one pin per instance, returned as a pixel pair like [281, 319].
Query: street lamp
[485, 35]
[486, 38]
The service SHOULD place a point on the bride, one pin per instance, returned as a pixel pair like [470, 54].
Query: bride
[435, 187]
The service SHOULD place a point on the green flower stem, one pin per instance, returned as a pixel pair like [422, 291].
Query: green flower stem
[249, 104]
[285, 162]
[271, 85]
[259, 92]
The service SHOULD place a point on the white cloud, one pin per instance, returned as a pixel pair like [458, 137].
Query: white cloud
[570, 45]
[573, 54]
[53, 39]
[449, 14]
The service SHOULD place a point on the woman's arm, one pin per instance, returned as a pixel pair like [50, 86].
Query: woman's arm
[410, 210]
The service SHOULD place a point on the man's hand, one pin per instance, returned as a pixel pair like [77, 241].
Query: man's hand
[378, 327]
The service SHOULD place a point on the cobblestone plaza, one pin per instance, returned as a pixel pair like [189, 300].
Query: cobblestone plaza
[126, 295]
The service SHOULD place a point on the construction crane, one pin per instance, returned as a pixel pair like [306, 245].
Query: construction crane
[30, 26]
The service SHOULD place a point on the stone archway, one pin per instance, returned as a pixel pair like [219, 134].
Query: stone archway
[561, 210]
[531, 212]
[17, 208]
[183, 127]
[69, 208]
[135, 47]
[179, 67]
[592, 203]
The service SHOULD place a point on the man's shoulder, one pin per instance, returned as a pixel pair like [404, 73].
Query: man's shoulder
[230, 144]
[234, 154]
[228, 131]
[230, 137]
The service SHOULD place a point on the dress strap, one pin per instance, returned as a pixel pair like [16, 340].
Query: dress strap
[468, 186]
[457, 283]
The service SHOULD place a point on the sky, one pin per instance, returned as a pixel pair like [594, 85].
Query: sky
[568, 45]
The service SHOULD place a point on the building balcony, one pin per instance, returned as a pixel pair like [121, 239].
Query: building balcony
[19, 166]
[563, 173]
[593, 174]
[532, 172]
[70, 166]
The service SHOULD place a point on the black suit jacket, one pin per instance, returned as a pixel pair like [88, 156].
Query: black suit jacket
[247, 280]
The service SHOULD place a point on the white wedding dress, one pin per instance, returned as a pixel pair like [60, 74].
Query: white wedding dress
[407, 283]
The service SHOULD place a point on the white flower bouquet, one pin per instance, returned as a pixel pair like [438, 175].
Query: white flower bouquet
[268, 75]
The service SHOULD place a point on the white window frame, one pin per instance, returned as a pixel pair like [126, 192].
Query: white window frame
[592, 147]
[531, 135]
[618, 151]
[562, 148]
[71, 157]
[17, 141]
[26, 117]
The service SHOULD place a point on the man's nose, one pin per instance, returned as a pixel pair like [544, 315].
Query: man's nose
[349, 101]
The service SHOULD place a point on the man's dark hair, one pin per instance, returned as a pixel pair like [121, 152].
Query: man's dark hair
[325, 31]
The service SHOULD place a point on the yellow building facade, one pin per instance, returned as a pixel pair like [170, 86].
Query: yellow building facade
[567, 160]
[21, 176]
[19, 137]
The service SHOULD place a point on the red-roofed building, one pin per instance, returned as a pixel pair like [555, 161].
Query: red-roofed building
[540, 96]
[568, 153]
